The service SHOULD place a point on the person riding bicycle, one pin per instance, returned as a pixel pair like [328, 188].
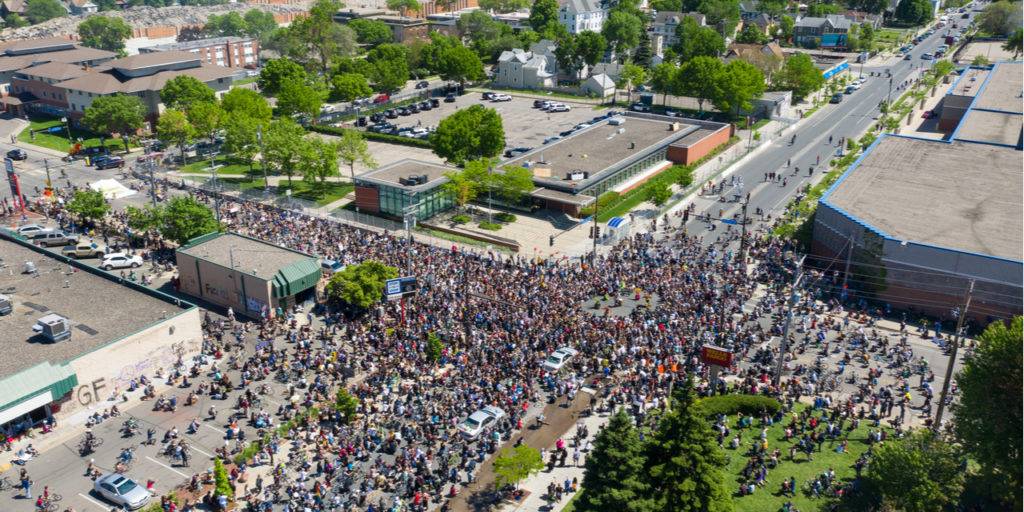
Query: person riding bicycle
[127, 455]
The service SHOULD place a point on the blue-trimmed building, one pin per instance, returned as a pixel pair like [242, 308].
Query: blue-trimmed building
[920, 219]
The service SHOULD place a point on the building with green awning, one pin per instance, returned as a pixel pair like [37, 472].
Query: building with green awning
[252, 277]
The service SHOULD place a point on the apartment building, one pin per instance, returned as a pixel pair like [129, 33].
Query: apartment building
[229, 52]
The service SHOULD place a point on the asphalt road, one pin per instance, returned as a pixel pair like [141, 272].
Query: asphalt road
[848, 119]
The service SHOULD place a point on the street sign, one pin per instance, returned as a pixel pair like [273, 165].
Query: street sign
[400, 287]
[715, 355]
[729, 221]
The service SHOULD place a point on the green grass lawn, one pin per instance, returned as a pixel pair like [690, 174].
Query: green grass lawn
[768, 499]
[244, 81]
[328, 193]
[229, 167]
[59, 141]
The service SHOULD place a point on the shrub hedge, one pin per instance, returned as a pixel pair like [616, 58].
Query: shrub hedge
[731, 404]
[380, 137]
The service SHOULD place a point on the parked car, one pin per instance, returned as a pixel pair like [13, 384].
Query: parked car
[422, 84]
[120, 260]
[640, 107]
[927, 56]
[487, 95]
[850, 89]
[501, 97]
[836, 98]
[31, 230]
[558, 358]
[559, 107]
[413, 109]
[514, 152]
[551, 139]
[540, 103]
[908, 57]
[110, 163]
[450, 98]
[84, 249]
[480, 421]
[404, 111]
[122, 491]
[391, 114]
[425, 105]
[382, 98]
[17, 154]
[56, 237]
[434, 102]
[331, 266]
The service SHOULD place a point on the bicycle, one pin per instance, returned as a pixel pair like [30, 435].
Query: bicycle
[5, 484]
[49, 503]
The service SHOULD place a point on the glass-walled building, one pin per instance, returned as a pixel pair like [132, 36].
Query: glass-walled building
[406, 184]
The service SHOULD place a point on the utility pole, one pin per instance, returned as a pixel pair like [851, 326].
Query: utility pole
[49, 185]
[152, 180]
[263, 157]
[849, 257]
[793, 298]
[743, 236]
[597, 233]
[888, 96]
[952, 357]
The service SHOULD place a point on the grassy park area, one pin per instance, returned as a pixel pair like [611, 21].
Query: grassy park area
[36, 134]
[229, 166]
[320, 194]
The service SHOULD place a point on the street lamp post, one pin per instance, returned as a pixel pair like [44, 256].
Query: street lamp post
[67, 127]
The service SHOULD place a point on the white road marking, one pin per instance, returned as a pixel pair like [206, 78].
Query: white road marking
[166, 466]
[200, 451]
[102, 506]
[214, 428]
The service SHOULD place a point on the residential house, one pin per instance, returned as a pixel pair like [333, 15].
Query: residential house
[762, 21]
[230, 52]
[533, 69]
[8, 7]
[611, 69]
[860, 17]
[665, 24]
[828, 32]
[599, 85]
[769, 57]
[582, 15]
[80, 7]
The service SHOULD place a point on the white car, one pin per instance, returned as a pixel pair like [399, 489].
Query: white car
[558, 358]
[501, 97]
[31, 230]
[120, 260]
[480, 421]
[559, 107]
[122, 490]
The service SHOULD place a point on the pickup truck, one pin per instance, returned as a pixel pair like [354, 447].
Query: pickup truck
[52, 238]
[84, 250]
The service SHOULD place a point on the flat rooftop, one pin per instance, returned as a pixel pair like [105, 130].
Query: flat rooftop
[388, 175]
[101, 310]
[255, 257]
[1002, 91]
[957, 195]
[991, 127]
[970, 82]
[601, 150]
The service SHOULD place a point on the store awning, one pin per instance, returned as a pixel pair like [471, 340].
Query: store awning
[41, 378]
[616, 222]
[295, 278]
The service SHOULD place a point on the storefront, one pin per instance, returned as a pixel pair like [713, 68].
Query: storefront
[33, 395]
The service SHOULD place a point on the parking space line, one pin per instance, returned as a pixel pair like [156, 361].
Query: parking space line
[168, 467]
[102, 506]
[214, 428]
[200, 451]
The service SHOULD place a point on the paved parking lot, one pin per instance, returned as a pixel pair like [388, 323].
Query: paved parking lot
[524, 125]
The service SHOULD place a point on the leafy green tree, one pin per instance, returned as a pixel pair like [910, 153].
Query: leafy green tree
[741, 83]
[622, 31]
[352, 149]
[460, 64]
[918, 473]
[988, 416]
[404, 6]
[683, 461]
[144, 219]
[390, 67]
[319, 161]
[696, 41]
[504, 6]
[667, 5]
[225, 25]
[751, 34]
[543, 14]
[38, 11]
[980, 60]
[240, 137]
[173, 127]
[88, 204]
[206, 117]
[914, 12]
[320, 37]
[185, 218]
[786, 24]
[469, 134]
[276, 73]
[430, 55]
[14, 20]
[644, 53]
[568, 56]
[183, 91]
[871, 6]
[297, 98]
[799, 75]
[721, 13]
[590, 47]
[434, 347]
[464, 186]
[259, 23]
[117, 114]
[104, 33]
[701, 78]
[821, 10]
[614, 478]
[240, 101]
[999, 18]
[630, 77]
[371, 32]
[1015, 43]
[515, 464]
[659, 193]
[283, 146]
[360, 285]
[663, 78]
[513, 184]
[346, 405]
[349, 87]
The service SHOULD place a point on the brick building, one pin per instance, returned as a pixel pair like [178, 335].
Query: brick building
[231, 52]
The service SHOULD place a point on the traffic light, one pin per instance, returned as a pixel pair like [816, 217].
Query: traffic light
[551, 240]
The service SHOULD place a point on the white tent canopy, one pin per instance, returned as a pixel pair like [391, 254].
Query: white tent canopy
[111, 189]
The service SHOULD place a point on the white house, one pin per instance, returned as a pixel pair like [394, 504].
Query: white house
[600, 85]
[581, 15]
[533, 69]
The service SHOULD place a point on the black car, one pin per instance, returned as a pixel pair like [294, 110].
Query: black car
[391, 114]
[91, 152]
[422, 84]
[425, 105]
[403, 111]
[450, 98]
[376, 118]
[413, 109]
[361, 121]
[540, 103]
[434, 103]
[110, 163]
[17, 154]
[487, 96]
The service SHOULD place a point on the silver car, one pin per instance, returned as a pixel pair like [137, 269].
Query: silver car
[121, 490]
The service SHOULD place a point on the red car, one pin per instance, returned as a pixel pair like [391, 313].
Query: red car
[927, 114]
[382, 98]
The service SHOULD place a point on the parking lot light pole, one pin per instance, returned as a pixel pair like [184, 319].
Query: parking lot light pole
[794, 296]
